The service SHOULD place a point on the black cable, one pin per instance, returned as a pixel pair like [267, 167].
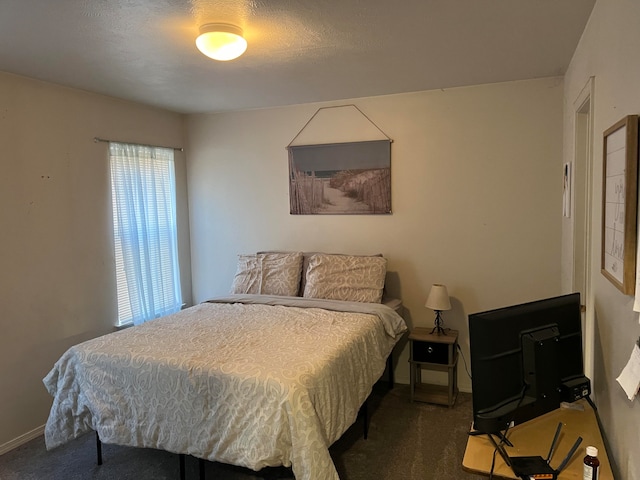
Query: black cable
[493, 464]
[503, 438]
[464, 360]
[605, 439]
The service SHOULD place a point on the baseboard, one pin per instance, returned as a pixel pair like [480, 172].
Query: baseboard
[21, 440]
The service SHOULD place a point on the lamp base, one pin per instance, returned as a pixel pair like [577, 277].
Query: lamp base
[438, 330]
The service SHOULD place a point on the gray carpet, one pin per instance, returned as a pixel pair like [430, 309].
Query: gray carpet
[406, 441]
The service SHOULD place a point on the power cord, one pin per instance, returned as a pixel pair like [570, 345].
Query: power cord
[464, 360]
[499, 448]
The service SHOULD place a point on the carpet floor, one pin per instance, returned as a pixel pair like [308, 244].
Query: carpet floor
[407, 441]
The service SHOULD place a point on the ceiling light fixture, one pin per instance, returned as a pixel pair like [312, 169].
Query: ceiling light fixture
[221, 41]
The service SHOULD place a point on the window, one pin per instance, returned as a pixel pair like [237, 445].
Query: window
[145, 233]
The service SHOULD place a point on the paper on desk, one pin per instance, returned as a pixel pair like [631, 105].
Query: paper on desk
[629, 379]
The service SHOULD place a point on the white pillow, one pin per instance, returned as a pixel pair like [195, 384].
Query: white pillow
[346, 277]
[268, 274]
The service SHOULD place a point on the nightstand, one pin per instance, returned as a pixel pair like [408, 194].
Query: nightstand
[429, 351]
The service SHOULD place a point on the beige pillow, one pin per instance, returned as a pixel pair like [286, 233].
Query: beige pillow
[268, 274]
[345, 277]
[305, 265]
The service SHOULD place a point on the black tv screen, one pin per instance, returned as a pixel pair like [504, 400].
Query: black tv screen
[525, 360]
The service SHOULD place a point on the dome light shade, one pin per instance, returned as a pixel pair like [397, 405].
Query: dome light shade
[221, 41]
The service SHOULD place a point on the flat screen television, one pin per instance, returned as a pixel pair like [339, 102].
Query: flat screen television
[525, 360]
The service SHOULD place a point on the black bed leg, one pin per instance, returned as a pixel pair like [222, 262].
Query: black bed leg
[99, 449]
[201, 464]
[365, 416]
[390, 368]
[182, 470]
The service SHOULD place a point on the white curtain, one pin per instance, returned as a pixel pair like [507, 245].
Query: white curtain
[145, 233]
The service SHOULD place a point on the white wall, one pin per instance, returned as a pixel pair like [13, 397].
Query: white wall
[608, 51]
[476, 200]
[57, 278]
[476, 197]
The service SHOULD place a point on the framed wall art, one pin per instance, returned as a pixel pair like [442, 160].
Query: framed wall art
[619, 203]
[343, 178]
[341, 168]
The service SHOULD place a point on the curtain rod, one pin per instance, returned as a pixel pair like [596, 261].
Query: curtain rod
[97, 139]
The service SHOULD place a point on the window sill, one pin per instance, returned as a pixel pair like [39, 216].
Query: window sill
[130, 323]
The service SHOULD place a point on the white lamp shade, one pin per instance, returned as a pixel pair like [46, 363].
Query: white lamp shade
[438, 298]
[221, 41]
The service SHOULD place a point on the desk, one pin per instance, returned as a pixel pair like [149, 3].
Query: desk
[534, 438]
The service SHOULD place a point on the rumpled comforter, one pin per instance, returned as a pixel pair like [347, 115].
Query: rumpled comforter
[253, 381]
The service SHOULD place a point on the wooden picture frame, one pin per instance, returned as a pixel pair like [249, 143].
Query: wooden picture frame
[619, 203]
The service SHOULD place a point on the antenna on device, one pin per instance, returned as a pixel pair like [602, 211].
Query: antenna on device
[554, 442]
[536, 467]
[569, 455]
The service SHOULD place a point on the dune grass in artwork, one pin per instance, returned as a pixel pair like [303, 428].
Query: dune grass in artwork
[344, 178]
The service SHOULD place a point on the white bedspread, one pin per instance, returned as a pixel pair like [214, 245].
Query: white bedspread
[247, 384]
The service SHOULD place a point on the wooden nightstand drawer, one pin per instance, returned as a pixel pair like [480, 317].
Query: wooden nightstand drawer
[431, 352]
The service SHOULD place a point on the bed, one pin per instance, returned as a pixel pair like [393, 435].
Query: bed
[250, 379]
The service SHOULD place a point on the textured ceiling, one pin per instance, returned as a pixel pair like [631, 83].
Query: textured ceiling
[299, 50]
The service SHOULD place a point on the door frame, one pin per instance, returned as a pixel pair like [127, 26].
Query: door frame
[581, 275]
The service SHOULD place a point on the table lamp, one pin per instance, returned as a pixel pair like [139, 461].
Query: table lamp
[438, 300]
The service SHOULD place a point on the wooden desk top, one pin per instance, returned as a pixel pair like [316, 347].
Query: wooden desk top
[534, 438]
